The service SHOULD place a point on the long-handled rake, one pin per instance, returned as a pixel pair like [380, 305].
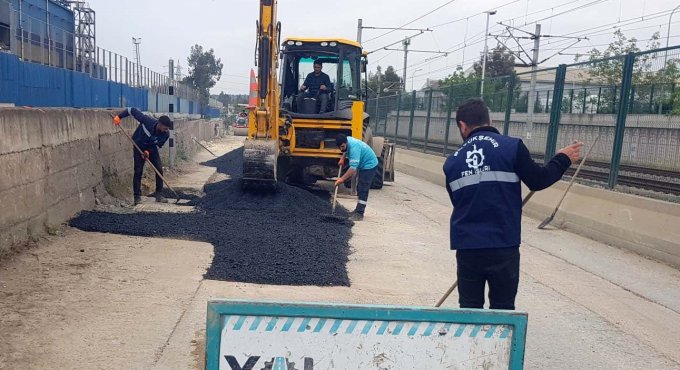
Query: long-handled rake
[573, 178]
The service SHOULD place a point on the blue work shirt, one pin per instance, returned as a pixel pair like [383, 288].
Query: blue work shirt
[145, 136]
[361, 156]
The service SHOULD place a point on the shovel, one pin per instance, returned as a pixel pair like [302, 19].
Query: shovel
[332, 216]
[151, 164]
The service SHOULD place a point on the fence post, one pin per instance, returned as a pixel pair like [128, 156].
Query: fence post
[386, 115]
[410, 123]
[377, 114]
[508, 107]
[447, 130]
[585, 94]
[621, 116]
[396, 122]
[427, 120]
[555, 113]
[571, 100]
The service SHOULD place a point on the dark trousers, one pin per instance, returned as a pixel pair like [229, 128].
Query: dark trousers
[365, 178]
[321, 98]
[497, 266]
[155, 159]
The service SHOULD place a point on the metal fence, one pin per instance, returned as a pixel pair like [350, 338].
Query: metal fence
[628, 105]
[35, 40]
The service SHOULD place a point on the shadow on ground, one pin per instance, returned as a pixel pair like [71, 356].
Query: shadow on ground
[260, 238]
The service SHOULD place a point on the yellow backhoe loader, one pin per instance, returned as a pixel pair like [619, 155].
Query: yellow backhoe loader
[288, 139]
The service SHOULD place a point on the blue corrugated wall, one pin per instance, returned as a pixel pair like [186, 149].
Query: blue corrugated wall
[30, 84]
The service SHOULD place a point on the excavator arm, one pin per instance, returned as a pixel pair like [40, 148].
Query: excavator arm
[261, 148]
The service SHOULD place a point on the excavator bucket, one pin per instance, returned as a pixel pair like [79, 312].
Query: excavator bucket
[259, 163]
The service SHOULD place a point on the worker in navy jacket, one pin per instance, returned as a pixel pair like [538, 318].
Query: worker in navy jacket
[483, 182]
[149, 136]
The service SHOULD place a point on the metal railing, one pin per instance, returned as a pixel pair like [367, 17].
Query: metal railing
[631, 102]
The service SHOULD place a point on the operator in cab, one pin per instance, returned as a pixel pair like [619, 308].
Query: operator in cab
[316, 86]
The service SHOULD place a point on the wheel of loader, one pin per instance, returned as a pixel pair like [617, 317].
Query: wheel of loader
[379, 150]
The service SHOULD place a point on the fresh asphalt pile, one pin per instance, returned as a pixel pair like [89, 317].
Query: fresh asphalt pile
[261, 238]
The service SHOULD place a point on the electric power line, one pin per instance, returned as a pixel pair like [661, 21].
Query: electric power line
[406, 24]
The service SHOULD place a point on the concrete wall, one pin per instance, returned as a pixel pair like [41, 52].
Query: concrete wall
[54, 163]
[645, 226]
[649, 140]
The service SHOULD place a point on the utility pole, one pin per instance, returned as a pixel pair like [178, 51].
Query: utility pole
[532, 88]
[531, 61]
[359, 29]
[137, 41]
[406, 43]
[178, 71]
[489, 13]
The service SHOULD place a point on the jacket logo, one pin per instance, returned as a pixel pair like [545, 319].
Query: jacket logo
[475, 158]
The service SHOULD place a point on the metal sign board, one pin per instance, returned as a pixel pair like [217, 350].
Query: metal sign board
[245, 335]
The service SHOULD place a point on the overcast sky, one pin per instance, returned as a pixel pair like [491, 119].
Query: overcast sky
[168, 28]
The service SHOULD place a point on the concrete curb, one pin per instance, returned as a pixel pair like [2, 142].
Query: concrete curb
[646, 226]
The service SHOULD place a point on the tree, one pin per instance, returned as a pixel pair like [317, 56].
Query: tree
[204, 71]
[652, 81]
[500, 66]
[391, 81]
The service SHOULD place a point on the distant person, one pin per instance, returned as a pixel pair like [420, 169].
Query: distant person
[363, 162]
[150, 136]
[316, 85]
[483, 181]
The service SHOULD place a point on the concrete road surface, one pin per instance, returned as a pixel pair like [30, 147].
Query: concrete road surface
[99, 301]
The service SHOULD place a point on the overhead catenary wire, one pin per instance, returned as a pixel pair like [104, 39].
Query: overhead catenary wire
[623, 24]
[413, 21]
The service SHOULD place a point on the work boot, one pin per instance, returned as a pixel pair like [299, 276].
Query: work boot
[161, 199]
[356, 216]
[138, 199]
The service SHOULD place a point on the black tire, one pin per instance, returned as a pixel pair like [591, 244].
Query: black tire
[379, 178]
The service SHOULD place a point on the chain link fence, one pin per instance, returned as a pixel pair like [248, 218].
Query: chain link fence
[627, 106]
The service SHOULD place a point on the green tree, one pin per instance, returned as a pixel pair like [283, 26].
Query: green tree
[500, 68]
[204, 71]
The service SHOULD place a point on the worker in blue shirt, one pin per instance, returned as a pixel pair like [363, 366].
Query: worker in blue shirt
[483, 182]
[150, 136]
[363, 162]
[317, 85]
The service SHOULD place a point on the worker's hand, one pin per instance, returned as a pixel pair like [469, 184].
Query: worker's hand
[341, 162]
[573, 151]
[339, 182]
[116, 120]
[303, 88]
[322, 87]
[146, 155]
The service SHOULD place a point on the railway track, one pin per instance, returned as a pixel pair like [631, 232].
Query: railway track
[651, 179]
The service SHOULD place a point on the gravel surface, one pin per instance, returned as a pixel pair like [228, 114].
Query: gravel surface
[257, 237]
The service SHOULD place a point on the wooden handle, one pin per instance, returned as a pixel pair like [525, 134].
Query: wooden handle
[447, 294]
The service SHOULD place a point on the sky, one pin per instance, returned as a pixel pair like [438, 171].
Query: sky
[168, 28]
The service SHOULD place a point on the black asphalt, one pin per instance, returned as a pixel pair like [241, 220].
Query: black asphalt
[261, 238]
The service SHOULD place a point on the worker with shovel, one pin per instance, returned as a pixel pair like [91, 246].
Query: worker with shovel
[362, 161]
[149, 137]
[483, 182]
